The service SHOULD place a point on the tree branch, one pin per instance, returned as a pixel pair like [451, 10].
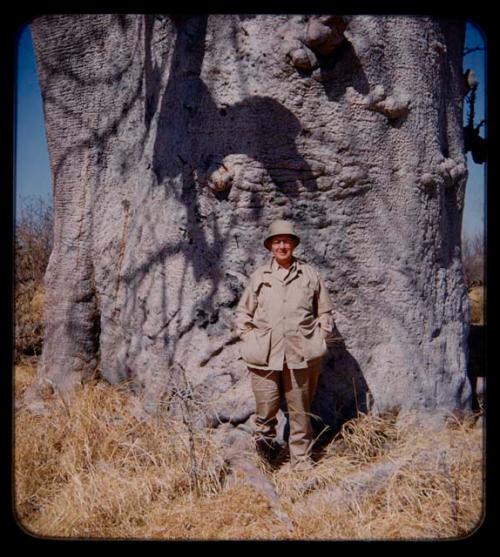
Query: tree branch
[470, 50]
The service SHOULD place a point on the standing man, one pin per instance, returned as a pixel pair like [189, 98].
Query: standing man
[284, 318]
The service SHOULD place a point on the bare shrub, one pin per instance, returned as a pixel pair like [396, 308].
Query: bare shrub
[33, 244]
[473, 258]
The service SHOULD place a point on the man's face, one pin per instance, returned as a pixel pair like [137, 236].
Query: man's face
[282, 247]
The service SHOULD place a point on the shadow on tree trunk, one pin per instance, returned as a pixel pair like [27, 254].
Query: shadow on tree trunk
[342, 391]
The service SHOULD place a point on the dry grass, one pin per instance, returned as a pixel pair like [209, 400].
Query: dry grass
[476, 299]
[97, 470]
[388, 480]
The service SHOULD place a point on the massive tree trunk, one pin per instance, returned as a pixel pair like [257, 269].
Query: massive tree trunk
[174, 141]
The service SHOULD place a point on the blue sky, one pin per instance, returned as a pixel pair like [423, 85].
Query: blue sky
[32, 171]
[474, 220]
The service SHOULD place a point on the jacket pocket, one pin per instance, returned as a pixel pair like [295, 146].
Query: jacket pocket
[255, 347]
[313, 342]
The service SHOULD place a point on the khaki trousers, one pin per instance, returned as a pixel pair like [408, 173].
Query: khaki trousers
[298, 386]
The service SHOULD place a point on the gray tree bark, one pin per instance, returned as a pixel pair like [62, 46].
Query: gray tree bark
[174, 141]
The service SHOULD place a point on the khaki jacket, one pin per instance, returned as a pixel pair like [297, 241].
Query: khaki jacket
[284, 317]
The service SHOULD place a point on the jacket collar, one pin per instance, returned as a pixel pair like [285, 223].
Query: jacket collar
[294, 269]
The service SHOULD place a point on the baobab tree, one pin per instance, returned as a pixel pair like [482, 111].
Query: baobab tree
[175, 140]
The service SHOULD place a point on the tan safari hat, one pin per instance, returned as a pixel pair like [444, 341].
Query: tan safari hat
[281, 227]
